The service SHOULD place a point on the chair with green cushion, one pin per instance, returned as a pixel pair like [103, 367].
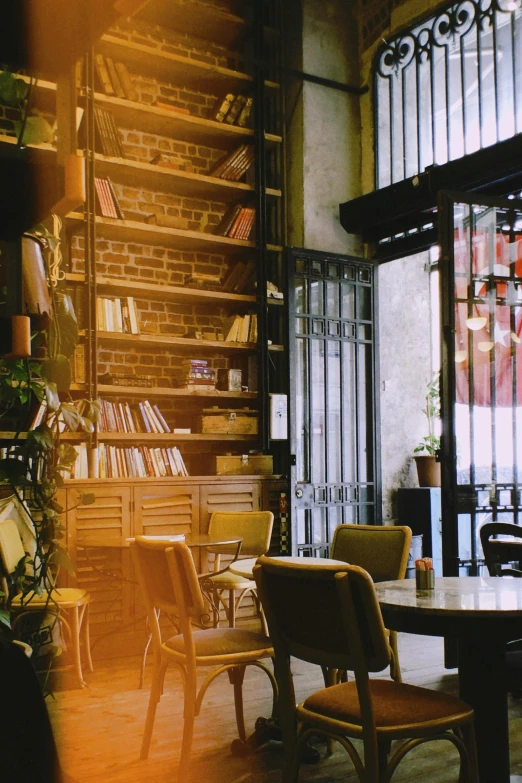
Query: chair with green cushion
[329, 615]
[383, 551]
[60, 601]
[255, 529]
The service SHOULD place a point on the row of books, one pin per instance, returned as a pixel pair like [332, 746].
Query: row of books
[117, 315]
[194, 375]
[107, 203]
[233, 109]
[240, 277]
[126, 379]
[238, 222]
[114, 78]
[235, 164]
[242, 329]
[130, 462]
[122, 417]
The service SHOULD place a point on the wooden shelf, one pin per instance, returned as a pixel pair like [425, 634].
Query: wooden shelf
[201, 20]
[128, 172]
[180, 343]
[117, 287]
[144, 392]
[150, 437]
[184, 127]
[136, 232]
[174, 68]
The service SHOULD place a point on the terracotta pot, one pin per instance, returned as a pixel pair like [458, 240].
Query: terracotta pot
[428, 470]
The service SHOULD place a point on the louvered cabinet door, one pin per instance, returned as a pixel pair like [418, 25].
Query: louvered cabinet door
[164, 510]
[235, 496]
[97, 539]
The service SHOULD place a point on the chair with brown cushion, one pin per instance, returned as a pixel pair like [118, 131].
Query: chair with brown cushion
[383, 551]
[169, 584]
[61, 601]
[329, 615]
[255, 529]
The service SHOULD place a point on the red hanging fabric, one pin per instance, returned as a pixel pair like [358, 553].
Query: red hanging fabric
[499, 339]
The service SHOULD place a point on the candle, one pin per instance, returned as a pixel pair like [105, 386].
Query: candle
[21, 336]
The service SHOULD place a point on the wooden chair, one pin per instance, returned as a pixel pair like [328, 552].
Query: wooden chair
[255, 528]
[500, 554]
[61, 601]
[329, 615]
[383, 552]
[169, 583]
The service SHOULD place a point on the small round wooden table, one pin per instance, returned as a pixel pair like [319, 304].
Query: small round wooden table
[482, 613]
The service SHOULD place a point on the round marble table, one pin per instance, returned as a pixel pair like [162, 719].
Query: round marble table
[482, 613]
[245, 567]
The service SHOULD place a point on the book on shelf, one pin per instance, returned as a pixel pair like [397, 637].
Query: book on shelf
[221, 107]
[114, 198]
[117, 315]
[126, 82]
[78, 364]
[172, 162]
[247, 275]
[168, 221]
[172, 107]
[235, 165]
[107, 135]
[228, 220]
[102, 72]
[106, 206]
[245, 113]
[237, 223]
[235, 109]
[241, 328]
[123, 379]
[114, 77]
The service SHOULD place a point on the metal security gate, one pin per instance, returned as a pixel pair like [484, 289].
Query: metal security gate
[481, 296]
[333, 409]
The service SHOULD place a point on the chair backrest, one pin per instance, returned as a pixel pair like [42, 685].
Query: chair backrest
[382, 550]
[254, 527]
[501, 551]
[307, 615]
[168, 581]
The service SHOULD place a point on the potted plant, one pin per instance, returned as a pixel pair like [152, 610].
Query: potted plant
[33, 467]
[426, 453]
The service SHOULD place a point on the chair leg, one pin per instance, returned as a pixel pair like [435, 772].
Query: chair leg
[236, 677]
[87, 637]
[75, 640]
[395, 667]
[144, 661]
[189, 715]
[158, 675]
[469, 773]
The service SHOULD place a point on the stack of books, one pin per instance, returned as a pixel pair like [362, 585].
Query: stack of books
[236, 164]
[195, 375]
[241, 329]
[117, 315]
[233, 109]
[122, 417]
[238, 223]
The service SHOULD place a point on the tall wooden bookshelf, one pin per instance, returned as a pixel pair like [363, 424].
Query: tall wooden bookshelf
[179, 72]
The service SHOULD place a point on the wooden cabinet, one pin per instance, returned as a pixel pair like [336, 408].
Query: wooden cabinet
[97, 535]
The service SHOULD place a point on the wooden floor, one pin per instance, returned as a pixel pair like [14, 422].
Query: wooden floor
[99, 728]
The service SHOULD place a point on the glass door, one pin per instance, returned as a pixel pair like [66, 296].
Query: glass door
[333, 406]
[481, 400]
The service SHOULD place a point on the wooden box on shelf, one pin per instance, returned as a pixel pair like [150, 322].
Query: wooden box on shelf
[245, 464]
[233, 422]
